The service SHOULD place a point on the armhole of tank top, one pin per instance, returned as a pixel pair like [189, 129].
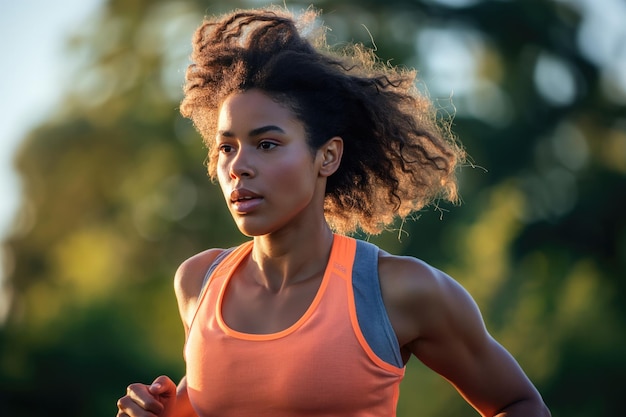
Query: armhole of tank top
[205, 283]
[218, 259]
[371, 312]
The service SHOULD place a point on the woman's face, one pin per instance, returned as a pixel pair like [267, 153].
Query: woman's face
[265, 167]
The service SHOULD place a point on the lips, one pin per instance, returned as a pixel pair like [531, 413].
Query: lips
[242, 194]
[244, 200]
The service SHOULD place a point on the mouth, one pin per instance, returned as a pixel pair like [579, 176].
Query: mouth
[244, 201]
[240, 199]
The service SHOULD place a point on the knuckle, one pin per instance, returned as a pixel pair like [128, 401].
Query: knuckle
[121, 403]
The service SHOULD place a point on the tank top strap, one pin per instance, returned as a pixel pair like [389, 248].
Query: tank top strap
[218, 259]
[342, 256]
[232, 257]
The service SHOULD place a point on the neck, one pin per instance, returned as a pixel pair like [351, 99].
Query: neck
[279, 260]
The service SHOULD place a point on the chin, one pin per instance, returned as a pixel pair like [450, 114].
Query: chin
[253, 230]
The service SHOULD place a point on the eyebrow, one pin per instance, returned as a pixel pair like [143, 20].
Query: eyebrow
[254, 132]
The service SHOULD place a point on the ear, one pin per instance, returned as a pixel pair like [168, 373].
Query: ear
[330, 154]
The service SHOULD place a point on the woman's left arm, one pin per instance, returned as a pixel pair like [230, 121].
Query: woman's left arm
[437, 321]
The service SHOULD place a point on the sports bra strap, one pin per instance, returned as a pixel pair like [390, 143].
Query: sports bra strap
[219, 258]
[370, 309]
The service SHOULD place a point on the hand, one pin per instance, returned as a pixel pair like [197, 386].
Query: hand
[141, 400]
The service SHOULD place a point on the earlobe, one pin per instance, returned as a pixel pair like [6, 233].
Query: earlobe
[331, 153]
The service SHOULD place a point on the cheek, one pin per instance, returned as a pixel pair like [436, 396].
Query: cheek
[221, 173]
[296, 174]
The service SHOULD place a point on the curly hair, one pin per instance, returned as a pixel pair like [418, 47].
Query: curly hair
[397, 156]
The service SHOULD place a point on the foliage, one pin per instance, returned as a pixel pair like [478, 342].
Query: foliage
[116, 196]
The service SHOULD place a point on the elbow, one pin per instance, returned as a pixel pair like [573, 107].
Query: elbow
[540, 409]
[534, 407]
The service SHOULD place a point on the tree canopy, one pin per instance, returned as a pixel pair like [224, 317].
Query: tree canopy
[116, 197]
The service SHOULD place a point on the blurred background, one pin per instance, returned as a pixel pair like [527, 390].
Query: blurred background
[104, 191]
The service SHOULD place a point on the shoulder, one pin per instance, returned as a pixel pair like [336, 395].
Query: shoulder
[189, 278]
[422, 301]
[195, 266]
[407, 278]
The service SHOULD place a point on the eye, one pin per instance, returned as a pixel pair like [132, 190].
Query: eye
[225, 148]
[266, 145]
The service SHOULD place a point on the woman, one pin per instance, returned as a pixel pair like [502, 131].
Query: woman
[309, 145]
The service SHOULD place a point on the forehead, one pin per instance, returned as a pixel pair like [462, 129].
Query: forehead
[251, 108]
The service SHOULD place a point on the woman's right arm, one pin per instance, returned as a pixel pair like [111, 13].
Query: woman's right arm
[163, 397]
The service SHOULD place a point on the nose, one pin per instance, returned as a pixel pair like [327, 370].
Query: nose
[241, 165]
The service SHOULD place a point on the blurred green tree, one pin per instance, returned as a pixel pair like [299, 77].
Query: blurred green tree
[116, 196]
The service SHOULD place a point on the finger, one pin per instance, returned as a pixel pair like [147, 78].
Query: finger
[140, 395]
[127, 407]
[163, 386]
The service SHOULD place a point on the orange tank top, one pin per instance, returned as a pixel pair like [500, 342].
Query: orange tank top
[319, 366]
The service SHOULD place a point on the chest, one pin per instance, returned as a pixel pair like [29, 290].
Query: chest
[248, 307]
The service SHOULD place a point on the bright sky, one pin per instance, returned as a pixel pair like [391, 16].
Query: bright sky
[32, 34]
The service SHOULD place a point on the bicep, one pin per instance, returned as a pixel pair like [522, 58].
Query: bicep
[455, 343]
